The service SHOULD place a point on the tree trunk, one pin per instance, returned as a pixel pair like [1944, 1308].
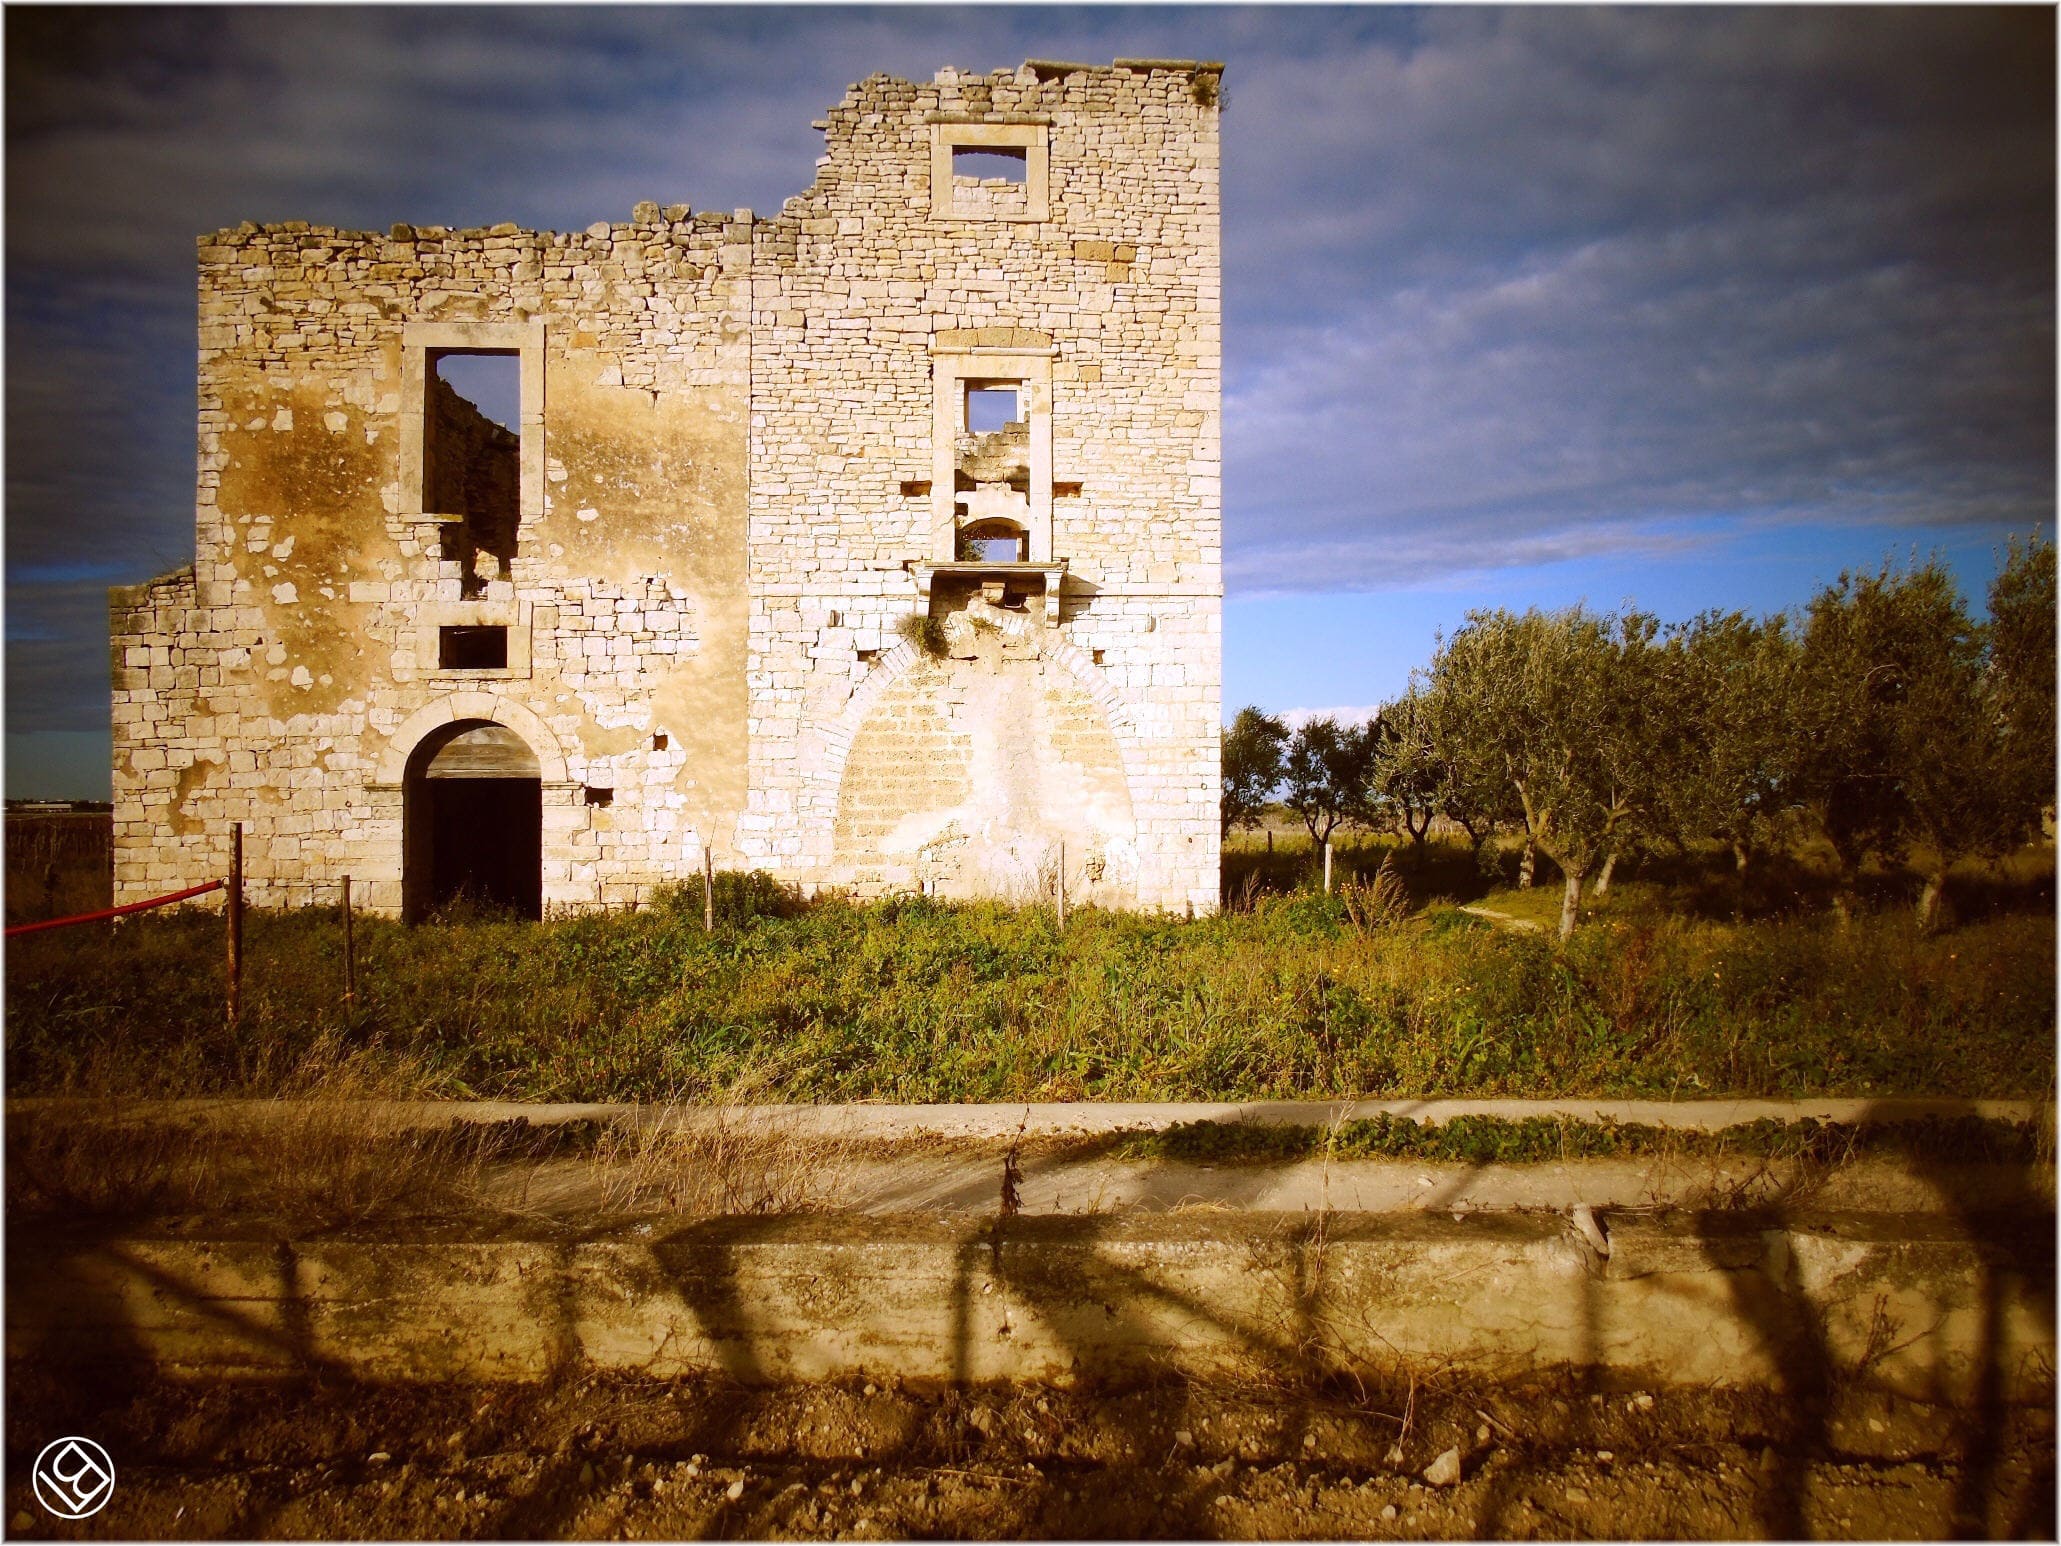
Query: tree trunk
[1603, 879]
[1929, 899]
[1527, 865]
[1570, 900]
[1845, 896]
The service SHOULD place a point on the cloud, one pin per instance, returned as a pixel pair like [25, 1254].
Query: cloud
[1552, 283]
[1503, 287]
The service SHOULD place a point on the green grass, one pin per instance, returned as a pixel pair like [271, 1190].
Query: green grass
[1483, 1140]
[923, 1001]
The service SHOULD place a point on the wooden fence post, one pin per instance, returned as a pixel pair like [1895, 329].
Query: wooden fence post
[1327, 866]
[350, 955]
[708, 889]
[233, 918]
[1059, 885]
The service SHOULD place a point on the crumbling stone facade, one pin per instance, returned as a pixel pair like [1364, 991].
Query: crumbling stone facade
[751, 571]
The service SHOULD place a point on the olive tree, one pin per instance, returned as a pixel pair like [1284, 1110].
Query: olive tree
[1973, 723]
[1546, 694]
[1326, 775]
[1721, 771]
[1905, 749]
[1406, 777]
[1252, 752]
[1474, 716]
[2021, 664]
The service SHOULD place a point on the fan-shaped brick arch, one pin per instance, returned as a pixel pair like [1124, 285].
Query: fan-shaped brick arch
[970, 776]
[824, 760]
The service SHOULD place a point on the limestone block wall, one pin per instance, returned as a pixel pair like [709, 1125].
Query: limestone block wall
[860, 289]
[733, 470]
[307, 639]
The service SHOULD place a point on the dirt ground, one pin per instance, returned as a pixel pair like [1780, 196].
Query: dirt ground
[614, 1458]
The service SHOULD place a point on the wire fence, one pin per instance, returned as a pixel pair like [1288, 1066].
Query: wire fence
[232, 921]
[116, 912]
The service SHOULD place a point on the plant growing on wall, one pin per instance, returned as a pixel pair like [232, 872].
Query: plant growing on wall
[923, 632]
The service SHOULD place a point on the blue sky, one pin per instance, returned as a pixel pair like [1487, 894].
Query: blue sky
[1685, 307]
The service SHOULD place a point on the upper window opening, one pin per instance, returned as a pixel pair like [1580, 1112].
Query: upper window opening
[491, 382]
[990, 171]
[472, 453]
[995, 163]
[991, 407]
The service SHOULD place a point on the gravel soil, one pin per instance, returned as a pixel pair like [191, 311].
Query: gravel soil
[614, 1458]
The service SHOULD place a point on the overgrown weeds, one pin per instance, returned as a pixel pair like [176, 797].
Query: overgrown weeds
[910, 999]
[337, 1151]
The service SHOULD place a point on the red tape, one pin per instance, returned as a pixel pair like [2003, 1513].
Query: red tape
[115, 912]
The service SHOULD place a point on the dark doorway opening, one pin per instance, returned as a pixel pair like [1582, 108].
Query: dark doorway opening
[473, 836]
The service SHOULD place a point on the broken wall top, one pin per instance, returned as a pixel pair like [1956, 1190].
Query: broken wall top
[1036, 87]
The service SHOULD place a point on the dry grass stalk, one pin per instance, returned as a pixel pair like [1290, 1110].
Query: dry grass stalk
[335, 1150]
[724, 1161]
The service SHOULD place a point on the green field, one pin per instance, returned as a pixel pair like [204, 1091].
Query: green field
[1684, 982]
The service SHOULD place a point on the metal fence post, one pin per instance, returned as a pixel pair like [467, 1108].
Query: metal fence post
[350, 955]
[233, 917]
[708, 889]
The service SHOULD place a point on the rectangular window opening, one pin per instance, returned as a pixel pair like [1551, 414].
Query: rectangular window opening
[472, 448]
[992, 163]
[472, 648]
[600, 796]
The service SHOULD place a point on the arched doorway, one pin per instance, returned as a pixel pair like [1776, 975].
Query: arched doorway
[472, 829]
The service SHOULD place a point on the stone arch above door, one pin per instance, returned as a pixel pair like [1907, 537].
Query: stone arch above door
[400, 746]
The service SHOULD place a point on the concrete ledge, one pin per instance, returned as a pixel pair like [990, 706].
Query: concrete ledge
[1002, 1122]
[1912, 1305]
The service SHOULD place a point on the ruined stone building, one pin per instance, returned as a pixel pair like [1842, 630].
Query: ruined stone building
[874, 544]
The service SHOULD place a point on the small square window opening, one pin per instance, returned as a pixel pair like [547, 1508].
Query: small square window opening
[600, 796]
[476, 648]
